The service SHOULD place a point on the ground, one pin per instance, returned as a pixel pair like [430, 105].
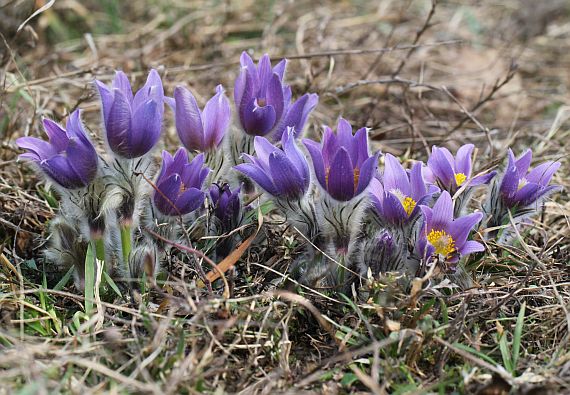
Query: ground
[417, 73]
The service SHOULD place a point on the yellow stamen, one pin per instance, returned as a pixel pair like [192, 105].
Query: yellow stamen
[443, 242]
[460, 179]
[522, 183]
[327, 172]
[409, 204]
[356, 177]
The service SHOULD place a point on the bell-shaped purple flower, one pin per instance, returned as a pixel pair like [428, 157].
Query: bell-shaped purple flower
[226, 205]
[263, 101]
[201, 131]
[342, 163]
[132, 123]
[445, 236]
[68, 158]
[178, 186]
[452, 173]
[282, 172]
[520, 187]
[398, 198]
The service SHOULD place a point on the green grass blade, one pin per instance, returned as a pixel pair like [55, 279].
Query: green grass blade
[505, 352]
[64, 280]
[89, 278]
[479, 354]
[518, 336]
[112, 284]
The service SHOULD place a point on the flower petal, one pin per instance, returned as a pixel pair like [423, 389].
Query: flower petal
[59, 169]
[314, 149]
[441, 167]
[470, 247]
[482, 179]
[146, 125]
[258, 120]
[395, 177]
[258, 175]
[107, 97]
[217, 117]
[366, 173]
[523, 163]
[417, 183]
[294, 154]
[340, 183]
[190, 200]
[118, 125]
[166, 194]
[287, 180]
[463, 160]
[38, 149]
[121, 82]
[442, 212]
[542, 173]
[188, 120]
[460, 228]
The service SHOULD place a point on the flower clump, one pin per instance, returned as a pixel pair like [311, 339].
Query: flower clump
[358, 217]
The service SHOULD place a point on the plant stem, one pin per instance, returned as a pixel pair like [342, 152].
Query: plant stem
[90, 264]
[126, 245]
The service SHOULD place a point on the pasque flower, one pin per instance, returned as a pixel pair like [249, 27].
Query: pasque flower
[342, 163]
[178, 186]
[263, 101]
[68, 158]
[445, 236]
[201, 131]
[226, 205]
[132, 123]
[281, 172]
[452, 173]
[520, 187]
[398, 197]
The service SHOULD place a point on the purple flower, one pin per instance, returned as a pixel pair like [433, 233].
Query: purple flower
[342, 163]
[281, 172]
[452, 173]
[200, 130]
[520, 187]
[263, 101]
[179, 184]
[446, 236]
[68, 157]
[397, 200]
[226, 205]
[132, 124]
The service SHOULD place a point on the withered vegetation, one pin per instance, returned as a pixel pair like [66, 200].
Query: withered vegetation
[417, 73]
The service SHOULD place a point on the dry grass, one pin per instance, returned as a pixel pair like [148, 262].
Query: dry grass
[495, 74]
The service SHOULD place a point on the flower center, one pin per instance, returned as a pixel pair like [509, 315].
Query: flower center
[442, 241]
[261, 102]
[327, 172]
[460, 179]
[356, 177]
[409, 205]
[522, 183]
[407, 202]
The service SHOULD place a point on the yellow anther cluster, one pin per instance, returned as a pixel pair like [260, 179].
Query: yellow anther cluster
[442, 242]
[460, 179]
[409, 205]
